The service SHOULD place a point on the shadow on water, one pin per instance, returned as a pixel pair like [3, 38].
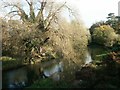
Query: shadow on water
[25, 76]
[57, 70]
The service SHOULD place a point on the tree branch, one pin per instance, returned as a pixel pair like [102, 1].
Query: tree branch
[13, 12]
[40, 13]
[32, 13]
[51, 16]
[28, 2]
[20, 11]
[13, 16]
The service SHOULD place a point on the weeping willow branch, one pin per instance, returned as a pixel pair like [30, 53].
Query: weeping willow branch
[42, 23]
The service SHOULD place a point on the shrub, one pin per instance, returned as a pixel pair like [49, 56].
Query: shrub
[104, 35]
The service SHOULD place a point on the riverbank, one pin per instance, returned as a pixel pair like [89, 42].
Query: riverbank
[102, 74]
[49, 83]
[9, 63]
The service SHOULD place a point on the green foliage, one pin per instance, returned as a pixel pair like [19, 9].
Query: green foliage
[7, 59]
[97, 24]
[104, 35]
[116, 46]
[118, 39]
[114, 22]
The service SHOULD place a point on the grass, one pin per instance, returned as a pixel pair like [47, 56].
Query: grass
[10, 63]
[49, 83]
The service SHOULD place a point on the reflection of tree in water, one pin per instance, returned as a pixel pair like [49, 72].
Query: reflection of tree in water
[97, 50]
[71, 66]
[41, 73]
[68, 73]
[32, 75]
[51, 70]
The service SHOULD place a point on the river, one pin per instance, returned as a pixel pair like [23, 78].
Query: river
[55, 69]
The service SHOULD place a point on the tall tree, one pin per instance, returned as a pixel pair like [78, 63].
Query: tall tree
[114, 22]
[42, 16]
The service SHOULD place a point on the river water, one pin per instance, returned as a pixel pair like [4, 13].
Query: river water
[55, 69]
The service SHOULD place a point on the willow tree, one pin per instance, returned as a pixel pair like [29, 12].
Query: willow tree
[41, 12]
[47, 17]
[36, 15]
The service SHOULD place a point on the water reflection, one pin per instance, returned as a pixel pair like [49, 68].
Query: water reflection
[16, 78]
[27, 75]
[57, 70]
[88, 57]
[54, 70]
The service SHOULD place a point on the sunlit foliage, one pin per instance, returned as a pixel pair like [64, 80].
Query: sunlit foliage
[104, 35]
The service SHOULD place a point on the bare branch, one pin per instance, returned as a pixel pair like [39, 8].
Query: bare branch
[50, 12]
[32, 14]
[51, 16]
[43, 4]
[28, 2]
[13, 15]
[40, 13]
[13, 12]
[71, 12]
[20, 11]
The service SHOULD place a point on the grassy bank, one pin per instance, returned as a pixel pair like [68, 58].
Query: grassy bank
[102, 74]
[49, 83]
[10, 63]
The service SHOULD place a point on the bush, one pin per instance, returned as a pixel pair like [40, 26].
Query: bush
[96, 25]
[118, 40]
[104, 35]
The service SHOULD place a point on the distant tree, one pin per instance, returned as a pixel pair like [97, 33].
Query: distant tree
[114, 22]
[104, 35]
[97, 24]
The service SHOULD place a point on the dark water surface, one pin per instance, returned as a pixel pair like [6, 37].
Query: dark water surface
[55, 69]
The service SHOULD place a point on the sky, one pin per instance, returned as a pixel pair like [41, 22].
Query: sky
[91, 11]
